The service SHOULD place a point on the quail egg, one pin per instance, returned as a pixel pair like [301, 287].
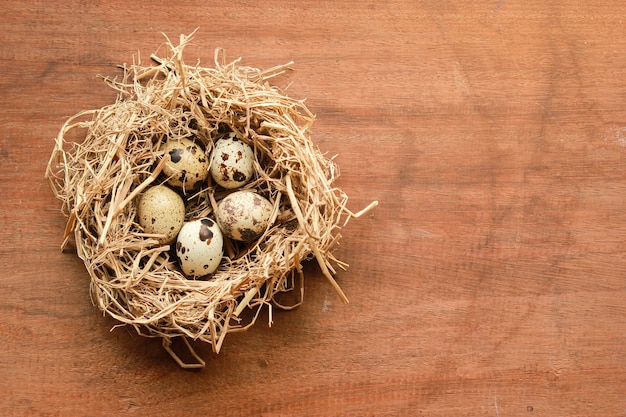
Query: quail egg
[232, 162]
[199, 247]
[243, 215]
[160, 210]
[188, 166]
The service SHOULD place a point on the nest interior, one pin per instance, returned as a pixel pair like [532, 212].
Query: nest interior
[98, 179]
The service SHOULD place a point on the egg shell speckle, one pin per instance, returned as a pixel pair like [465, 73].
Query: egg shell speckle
[160, 210]
[232, 162]
[244, 215]
[199, 247]
[188, 166]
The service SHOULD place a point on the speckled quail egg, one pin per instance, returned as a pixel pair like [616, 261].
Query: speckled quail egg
[243, 215]
[188, 166]
[232, 162]
[199, 247]
[160, 210]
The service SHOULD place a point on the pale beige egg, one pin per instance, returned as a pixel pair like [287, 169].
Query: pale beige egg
[161, 210]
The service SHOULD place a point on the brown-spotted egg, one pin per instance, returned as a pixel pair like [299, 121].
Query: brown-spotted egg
[244, 215]
[188, 165]
[232, 162]
[199, 247]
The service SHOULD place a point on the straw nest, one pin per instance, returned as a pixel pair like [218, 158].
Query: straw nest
[99, 176]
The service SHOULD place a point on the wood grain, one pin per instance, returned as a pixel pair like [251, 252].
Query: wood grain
[489, 281]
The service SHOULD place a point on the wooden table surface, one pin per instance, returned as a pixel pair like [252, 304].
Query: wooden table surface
[489, 281]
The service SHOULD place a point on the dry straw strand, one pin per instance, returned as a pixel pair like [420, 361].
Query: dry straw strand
[98, 178]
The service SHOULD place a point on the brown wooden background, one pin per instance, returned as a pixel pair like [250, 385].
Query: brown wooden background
[489, 281]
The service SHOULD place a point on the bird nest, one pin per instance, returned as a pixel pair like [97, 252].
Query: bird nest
[104, 159]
